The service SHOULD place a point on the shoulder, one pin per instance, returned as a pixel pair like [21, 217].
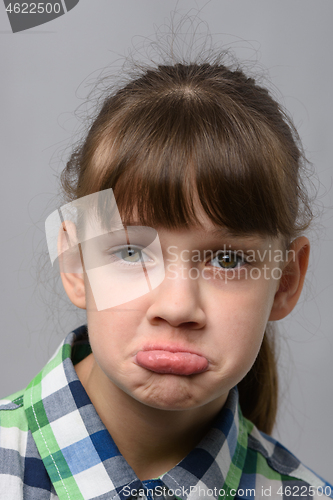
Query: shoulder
[278, 473]
[13, 445]
[13, 422]
[22, 472]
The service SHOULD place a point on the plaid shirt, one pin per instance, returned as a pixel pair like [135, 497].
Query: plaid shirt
[53, 445]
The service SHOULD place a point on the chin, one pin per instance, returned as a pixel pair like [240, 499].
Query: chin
[171, 393]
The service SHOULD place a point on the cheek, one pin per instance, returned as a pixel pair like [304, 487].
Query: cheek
[112, 332]
[241, 319]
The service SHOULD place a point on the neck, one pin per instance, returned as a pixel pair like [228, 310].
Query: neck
[151, 440]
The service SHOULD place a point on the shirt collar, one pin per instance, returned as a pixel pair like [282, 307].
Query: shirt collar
[82, 459]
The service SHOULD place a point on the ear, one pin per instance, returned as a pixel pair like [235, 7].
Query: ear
[292, 280]
[70, 263]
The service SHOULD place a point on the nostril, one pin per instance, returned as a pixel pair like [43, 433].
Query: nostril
[192, 325]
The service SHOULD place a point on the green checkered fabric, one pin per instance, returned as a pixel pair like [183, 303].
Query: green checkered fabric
[53, 445]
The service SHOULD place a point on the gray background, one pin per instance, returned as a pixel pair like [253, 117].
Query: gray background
[46, 73]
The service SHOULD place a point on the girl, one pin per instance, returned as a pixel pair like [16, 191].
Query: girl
[182, 238]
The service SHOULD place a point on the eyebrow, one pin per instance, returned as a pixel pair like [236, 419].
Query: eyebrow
[227, 233]
[121, 225]
[129, 223]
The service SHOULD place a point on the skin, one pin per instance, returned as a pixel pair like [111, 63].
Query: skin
[156, 419]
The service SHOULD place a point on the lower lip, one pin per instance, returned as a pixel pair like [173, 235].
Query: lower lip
[175, 363]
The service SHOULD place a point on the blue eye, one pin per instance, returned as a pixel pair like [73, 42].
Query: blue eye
[227, 260]
[131, 255]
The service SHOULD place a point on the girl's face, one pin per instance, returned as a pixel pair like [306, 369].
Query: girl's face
[195, 336]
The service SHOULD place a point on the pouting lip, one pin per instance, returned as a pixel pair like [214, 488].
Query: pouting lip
[170, 348]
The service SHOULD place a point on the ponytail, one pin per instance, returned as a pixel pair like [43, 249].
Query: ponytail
[258, 391]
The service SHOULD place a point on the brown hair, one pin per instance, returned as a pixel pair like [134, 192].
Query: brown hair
[204, 129]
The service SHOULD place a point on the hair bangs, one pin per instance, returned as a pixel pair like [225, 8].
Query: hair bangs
[179, 154]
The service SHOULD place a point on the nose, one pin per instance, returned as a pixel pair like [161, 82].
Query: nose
[177, 301]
